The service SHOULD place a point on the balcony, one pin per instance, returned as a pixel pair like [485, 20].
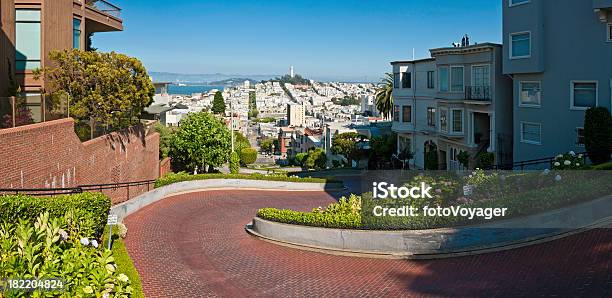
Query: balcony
[103, 16]
[105, 7]
[478, 93]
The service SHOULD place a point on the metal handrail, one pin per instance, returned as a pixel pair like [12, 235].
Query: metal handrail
[105, 7]
[79, 189]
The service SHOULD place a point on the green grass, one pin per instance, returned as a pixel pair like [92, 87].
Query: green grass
[124, 262]
[181, 177]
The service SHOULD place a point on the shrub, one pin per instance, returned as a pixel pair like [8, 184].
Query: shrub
[248, 156]
[234, 163]
[464, 158]
[182, 176]
[486, 160]
[342, 215]
[90, 207]
[598, 134]
[568, 161]
[48, 247]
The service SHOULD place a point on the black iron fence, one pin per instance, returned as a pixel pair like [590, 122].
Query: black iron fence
[480, 93]
[120, 192]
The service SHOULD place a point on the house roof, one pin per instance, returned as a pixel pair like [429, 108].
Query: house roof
[158, 109]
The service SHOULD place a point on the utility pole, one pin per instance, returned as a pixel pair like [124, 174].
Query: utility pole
[232, 120]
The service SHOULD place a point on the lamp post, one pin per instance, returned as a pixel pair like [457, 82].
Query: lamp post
[232, 120]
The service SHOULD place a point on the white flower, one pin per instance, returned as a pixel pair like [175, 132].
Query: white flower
[572, 153]
[559, 156]
[557, 164]
[123, 278]
[110, 267]
[63, 234]
[567, 163]
[577, 164]
[580, 156]
[558, 178]
[546, 172]
[94, 243]
[106, 295]
[85, 241]
[122, 230]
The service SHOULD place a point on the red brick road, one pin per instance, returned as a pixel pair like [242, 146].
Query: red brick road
[194, 245]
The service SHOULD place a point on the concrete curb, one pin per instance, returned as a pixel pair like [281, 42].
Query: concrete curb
[126, 208]
[441, 243]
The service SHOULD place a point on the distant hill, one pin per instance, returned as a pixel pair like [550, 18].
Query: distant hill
[231, 82]
[205, 78]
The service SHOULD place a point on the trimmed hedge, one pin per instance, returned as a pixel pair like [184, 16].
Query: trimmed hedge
[248, 156]
[535, 197]
[325, 220]
[97, 205]
[181, 177]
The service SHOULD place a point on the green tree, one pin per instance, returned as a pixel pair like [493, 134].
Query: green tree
[240, 142]
[234, 163]
[300, 158]
[383, 148]
[109, 88]
[348, 144]
[165, 139]
[266, 145]
[218, 106]
[384, 96]
[598, 134]
[201, 141]
[316, 159]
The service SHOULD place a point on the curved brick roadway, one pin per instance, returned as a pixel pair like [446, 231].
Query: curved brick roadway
[195, 245]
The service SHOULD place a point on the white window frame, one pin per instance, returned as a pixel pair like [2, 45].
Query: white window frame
[522, 133]
[609, 31]
[520, 92]
[578, 144]
[450, 82]
[452, 122]
[512, 4]
[447, 120]
[530, 45]
[575, 108]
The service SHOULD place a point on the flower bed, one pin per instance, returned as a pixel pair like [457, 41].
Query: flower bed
[59, 248]
[181, 177]
[523, 194]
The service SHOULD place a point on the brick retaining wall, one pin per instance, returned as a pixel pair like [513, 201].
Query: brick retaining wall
[51, 155]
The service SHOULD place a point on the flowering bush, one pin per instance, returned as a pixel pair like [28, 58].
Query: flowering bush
[345, 206]
[53, 248]
[444, 188]
[569, 161]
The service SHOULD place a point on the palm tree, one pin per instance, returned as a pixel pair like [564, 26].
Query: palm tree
[384, 96]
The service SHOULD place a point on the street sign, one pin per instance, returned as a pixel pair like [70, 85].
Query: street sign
[112, 219]
[468, 190]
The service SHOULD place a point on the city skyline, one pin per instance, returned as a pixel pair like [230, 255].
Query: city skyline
[311, 36]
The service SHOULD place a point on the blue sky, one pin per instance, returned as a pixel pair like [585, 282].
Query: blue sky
[337, 38]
